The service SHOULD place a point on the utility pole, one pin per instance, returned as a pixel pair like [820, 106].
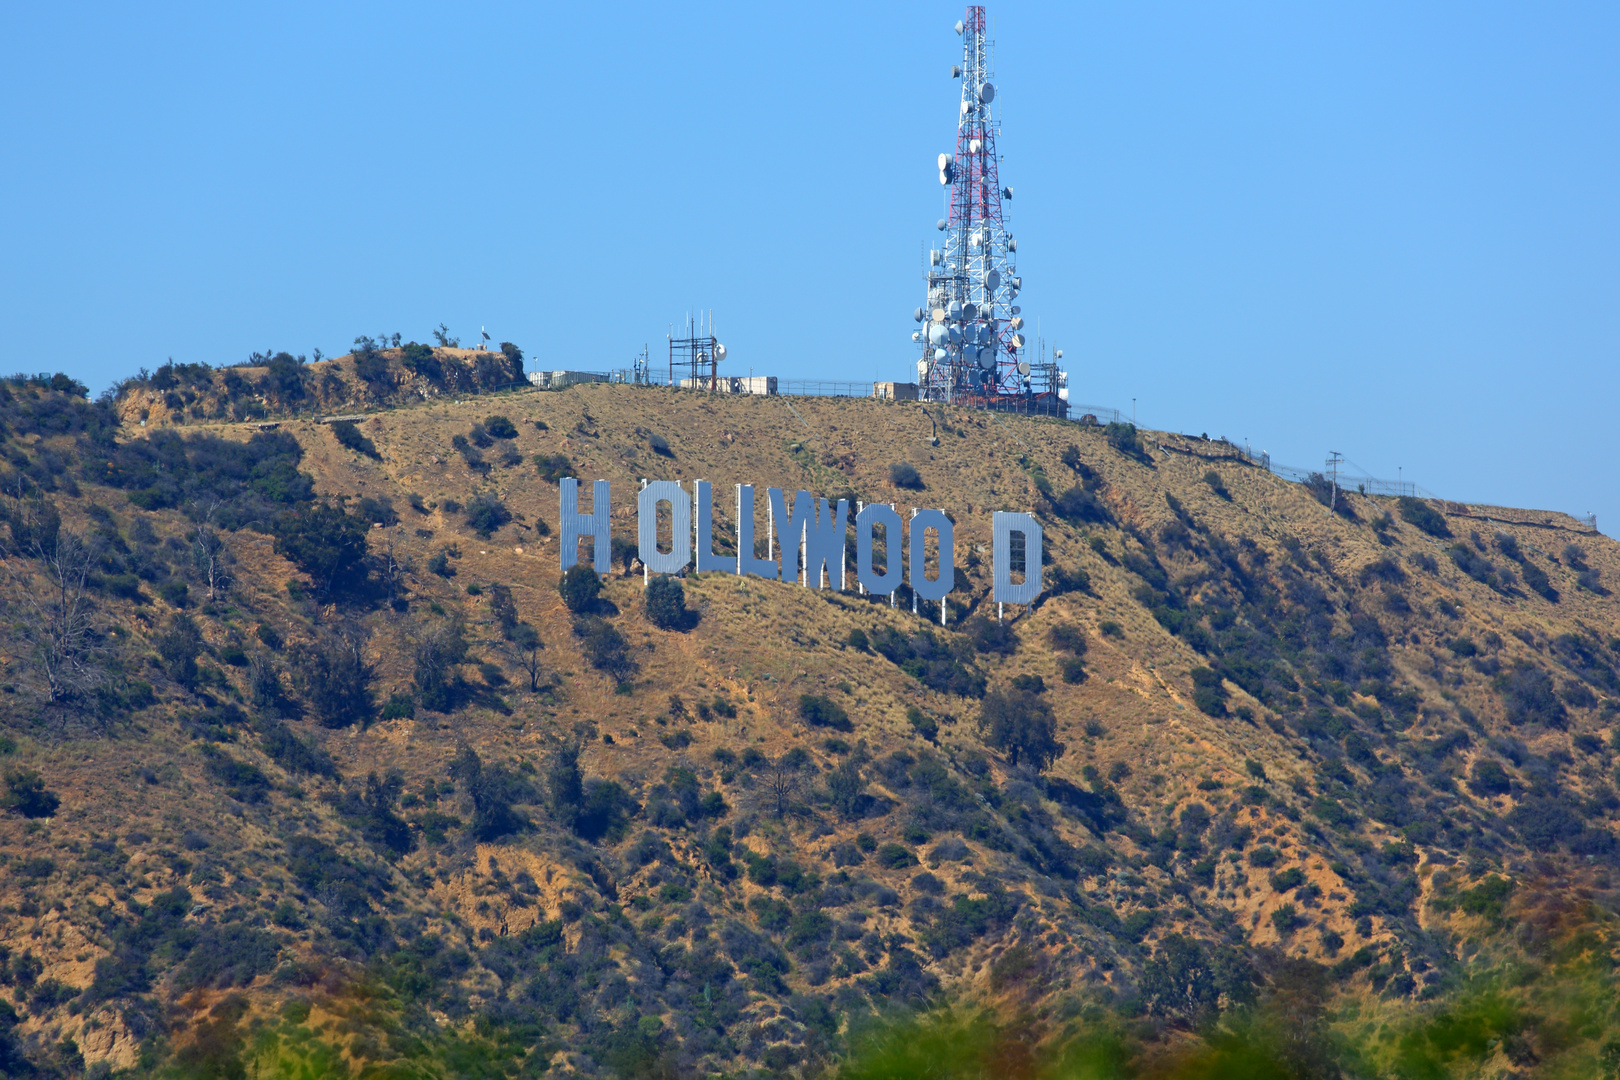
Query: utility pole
[1333, 463]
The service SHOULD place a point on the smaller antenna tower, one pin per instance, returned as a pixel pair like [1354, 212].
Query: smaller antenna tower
[697, 354]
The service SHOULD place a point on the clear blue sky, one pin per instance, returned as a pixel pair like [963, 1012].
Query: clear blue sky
[1385, 229]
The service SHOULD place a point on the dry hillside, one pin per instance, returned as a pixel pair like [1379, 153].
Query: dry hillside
[335, 755]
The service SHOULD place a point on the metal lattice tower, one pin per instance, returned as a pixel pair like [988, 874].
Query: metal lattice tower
[974, 350]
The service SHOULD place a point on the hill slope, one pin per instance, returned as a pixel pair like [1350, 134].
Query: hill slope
[335, 760]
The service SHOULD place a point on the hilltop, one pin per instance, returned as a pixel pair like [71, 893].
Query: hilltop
[324, 762]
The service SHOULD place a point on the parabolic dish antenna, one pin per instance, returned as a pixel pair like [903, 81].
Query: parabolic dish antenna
[719, 354]
[987, 358]
[987, 93]
[1023, 367]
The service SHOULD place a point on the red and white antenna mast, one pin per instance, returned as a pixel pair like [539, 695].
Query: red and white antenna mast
[973, 345]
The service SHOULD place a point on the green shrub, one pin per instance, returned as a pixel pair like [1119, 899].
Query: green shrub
[820, 711]
[1217, 485]
[348, 435]
[500, 427]
[1020, 724]
[903, 474]
[27, 795]
[1488, 778]
[605, 648]
[1124, 438]
[580, 586]
[857, 640]
[1263, 856]
[665, 601]
[1078, 505]
[125, 587]
[1418, 513]
[1069, 638]
[334, 678]
[922, 723]
[327, 543]
[1209, 691]
[896, 856]
[486, 513]
[1291, 878]
[554, 467]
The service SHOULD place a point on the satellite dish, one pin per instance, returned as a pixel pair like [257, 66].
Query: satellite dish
[966, 105]
[1012, 245]
[1018, 341]
[1017, 282]
[992, 280]
[935, 257]
[987, 358]
[960, 26]
[1016, 309]
[719, 353]
[956, 71]
[939, 314]
[940, 224]
[917, 316]
[922, 369]
[937, 334]
[1017, 322]
[987, 93]
[916, 335]
[954, 310]
[973, 146]
[944, 160]
[955, 335]
[1023, 367]
[970, 311]
[939, 354]
[1057, 354]
[1006, 193]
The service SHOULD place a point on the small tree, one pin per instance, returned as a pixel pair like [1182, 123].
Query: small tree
[783, 778]
[666, 604]
[334, 678]
[580, 587]
[58, 620]
[209, 553]
[440, 648]
[326, 543]
[524, 648]
[1020, 724]
[178, 647]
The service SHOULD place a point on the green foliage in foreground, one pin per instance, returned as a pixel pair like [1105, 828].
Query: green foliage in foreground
[1541, 1002]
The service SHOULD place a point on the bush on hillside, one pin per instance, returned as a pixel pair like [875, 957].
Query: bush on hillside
[1020, 724]
[334, 679]
[605, 648]
[580, 586]
[348, 434]
[665, 601]
[486, 513]
[27, 795]
[327, 543]
[1079, 505]
[903, 474]
[821, 711]
[1419, 513]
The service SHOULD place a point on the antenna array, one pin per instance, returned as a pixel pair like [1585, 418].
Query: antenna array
[974, 350]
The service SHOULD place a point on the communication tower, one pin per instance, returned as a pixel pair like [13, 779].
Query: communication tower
[974, 349]
[697, 354]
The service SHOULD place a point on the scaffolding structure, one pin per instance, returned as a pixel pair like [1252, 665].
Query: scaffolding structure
[696, 354]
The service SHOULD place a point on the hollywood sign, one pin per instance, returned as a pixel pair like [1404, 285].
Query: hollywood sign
[811, 539]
